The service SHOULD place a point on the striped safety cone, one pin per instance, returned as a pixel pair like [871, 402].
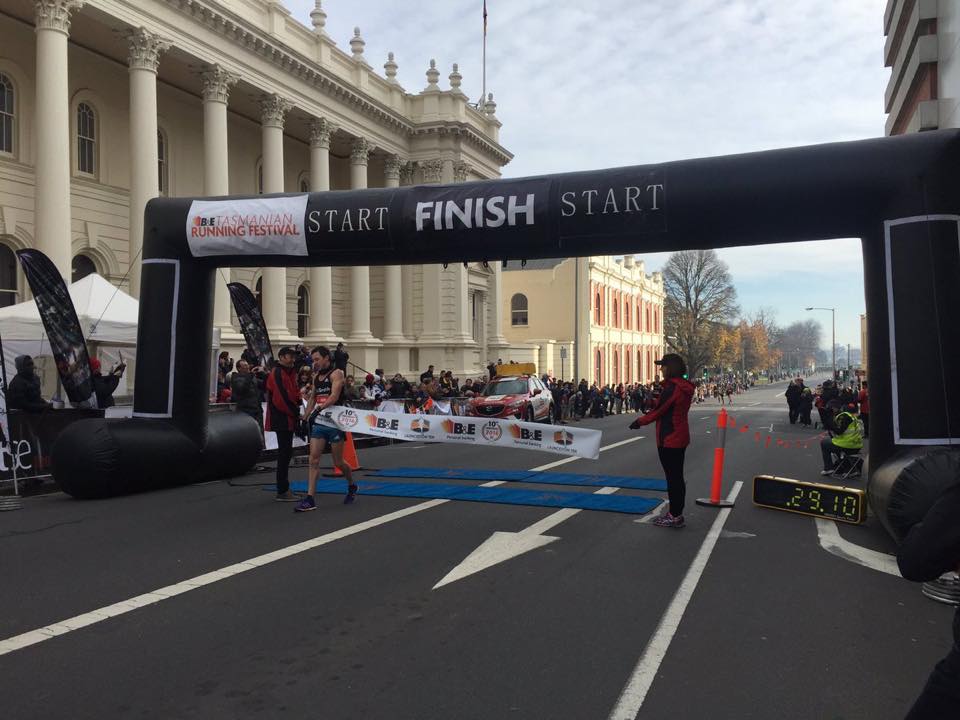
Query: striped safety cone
[714, 500]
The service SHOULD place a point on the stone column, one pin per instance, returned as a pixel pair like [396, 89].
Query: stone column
[320, 329]
[362, 345]
[144, 57]
[216, 91]
[395, 356]
[432, 283]
[273, 111]
[407, 170]
[52, 194]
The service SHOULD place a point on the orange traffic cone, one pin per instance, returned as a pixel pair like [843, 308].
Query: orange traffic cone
[349, 456]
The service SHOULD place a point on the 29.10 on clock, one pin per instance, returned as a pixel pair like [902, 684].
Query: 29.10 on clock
[806, 498]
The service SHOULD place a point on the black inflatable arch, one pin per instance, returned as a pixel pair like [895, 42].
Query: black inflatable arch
[900, 195]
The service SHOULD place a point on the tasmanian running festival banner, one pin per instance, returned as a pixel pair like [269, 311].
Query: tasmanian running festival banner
[581, 442]
[251, 323]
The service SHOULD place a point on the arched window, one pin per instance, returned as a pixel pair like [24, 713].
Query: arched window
[598, 365]
[258, 293]
[8, 115]
[616, 367]
[8, 277]
[649, 326]
[81, 267]
[615, 314]
[596, 311]
[626, 314]
[86, 139]
[163, 164]
[260, 176]
[303, 310]
[518, 309]
[656, 320]
[641, 373]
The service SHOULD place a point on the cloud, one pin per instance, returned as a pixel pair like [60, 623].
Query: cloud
[617, 82]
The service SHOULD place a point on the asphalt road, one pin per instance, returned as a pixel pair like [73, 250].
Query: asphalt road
[351, 627]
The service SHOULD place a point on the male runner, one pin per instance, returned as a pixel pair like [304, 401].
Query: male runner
[327, 386]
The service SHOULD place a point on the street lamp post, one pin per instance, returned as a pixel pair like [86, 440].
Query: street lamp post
[833, 335]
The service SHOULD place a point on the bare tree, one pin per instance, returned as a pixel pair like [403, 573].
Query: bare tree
[699, 296]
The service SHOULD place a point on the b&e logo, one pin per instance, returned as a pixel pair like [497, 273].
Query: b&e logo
[347, 418]
[459, 428]
[522, 433]
[204, 221]
[382, 423]
[491, 431]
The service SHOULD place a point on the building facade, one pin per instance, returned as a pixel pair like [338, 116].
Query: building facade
[599, 317]
[921, 50]
[105, 104]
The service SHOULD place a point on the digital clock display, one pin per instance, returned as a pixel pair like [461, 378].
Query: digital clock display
[806, 498]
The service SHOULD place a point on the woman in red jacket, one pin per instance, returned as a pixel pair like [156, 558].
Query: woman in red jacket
[673, 433]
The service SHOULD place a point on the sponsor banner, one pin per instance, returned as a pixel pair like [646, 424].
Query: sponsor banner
[26, 449]
[255, 226]
[62, 326]
[251, 323]
[582, 442]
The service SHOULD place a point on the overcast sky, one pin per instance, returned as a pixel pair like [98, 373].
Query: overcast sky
[584, 85]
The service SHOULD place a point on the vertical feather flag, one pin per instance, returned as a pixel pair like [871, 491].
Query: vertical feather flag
[484, 18]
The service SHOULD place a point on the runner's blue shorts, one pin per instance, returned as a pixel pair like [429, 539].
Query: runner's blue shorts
[325, 432]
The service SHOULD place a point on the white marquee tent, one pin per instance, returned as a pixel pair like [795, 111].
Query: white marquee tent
[108, 317]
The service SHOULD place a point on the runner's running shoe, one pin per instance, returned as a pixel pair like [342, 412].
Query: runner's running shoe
[306, 505]
[668, 520]
[351, 494]
[288, 496]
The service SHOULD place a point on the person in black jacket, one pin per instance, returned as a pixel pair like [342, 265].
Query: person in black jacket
[793, 393]
[24, 390]
[105, 385]
[931, 548]
[245, 392]
[340, 358]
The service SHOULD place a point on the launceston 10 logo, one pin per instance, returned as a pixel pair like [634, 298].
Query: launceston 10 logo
[347, 418]
[491, 431]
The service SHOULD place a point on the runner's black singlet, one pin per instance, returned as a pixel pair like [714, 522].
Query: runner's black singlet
[323, 387]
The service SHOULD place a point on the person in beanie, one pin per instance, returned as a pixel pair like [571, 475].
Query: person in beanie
[673, 433]
[23, 392]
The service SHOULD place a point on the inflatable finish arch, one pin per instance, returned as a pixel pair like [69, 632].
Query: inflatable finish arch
[900, 195]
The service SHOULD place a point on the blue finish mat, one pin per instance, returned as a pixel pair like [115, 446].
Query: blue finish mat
[502, 495]
[527, 476]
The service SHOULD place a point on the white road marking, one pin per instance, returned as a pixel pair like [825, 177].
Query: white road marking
[501, 546]
[558, 463]
[32, 637]
[755, 404]
[631, 699]
[649, 517]
[831, 541]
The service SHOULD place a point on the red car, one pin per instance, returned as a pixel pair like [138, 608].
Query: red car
[523, 397]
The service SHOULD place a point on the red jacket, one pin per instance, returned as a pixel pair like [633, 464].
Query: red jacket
[670, 412]
[864, 401]
[283, 399]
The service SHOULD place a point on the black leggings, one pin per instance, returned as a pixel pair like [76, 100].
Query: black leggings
[672, 461]
[284, 453]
